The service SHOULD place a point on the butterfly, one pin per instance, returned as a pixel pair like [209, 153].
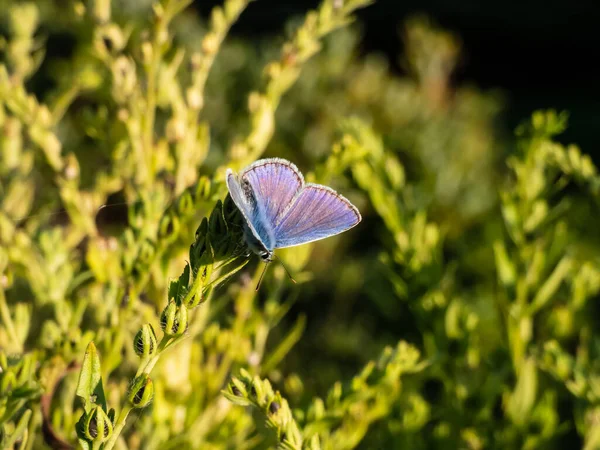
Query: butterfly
[280, 210]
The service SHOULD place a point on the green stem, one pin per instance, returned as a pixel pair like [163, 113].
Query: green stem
[143, 363]
[147, 364]
[119, 425]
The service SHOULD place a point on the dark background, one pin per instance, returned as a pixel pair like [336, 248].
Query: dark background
[540, 54]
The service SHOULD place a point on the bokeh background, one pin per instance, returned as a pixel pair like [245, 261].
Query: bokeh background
[478, 245]
[539, 54]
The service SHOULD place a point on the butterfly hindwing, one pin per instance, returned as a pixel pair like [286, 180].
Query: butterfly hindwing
[274, 182]
[315, 213]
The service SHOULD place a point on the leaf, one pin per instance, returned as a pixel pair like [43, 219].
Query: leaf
[180, 287]
[241, 401]
[84, 444]
[89, 387]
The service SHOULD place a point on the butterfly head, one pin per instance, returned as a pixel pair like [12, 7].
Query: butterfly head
[266, 256]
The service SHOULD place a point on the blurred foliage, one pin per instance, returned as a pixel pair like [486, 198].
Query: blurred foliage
[459, 314]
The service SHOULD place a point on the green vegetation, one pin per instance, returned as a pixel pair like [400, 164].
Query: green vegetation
[459, 314]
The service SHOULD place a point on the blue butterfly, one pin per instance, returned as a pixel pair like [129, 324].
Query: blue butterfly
[280, 210]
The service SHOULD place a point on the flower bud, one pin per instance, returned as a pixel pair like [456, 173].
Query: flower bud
[174, 319]
[203, 188]
[274, 407]
[141, 391]
[186, 204]
[97, 426]
[169, 228]
[195, 300]
[145, 341]
[238, 388]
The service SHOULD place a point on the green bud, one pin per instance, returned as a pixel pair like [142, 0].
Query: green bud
[185, 204]
[274, 407]
[174, 319]
[195, 300]
[236, 391]
[97, 425]
[141, 391]
[238, 388]
[169, 228]
[145, 342]
[203, 188]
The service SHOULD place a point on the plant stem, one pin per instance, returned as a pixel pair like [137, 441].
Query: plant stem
[119, 425]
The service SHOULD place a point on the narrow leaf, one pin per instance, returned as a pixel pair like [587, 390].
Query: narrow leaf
[89, 387]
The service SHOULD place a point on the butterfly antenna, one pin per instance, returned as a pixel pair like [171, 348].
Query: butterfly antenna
[285, 268]
[261, 276]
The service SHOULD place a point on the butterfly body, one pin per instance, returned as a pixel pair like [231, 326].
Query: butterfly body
[280, 210]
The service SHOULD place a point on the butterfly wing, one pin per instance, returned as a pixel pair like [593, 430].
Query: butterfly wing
[253, 212]
[275, 182]
[315, 213]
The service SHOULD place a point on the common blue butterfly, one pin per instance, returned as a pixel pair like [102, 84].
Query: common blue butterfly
[280, 210]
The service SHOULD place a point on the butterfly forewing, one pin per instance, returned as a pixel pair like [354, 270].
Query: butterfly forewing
[274, 182]
[316, 213]
[253, 211]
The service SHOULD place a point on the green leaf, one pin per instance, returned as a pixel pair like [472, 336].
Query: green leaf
[241, 401]
[89, 387]
[84, 444]
[180, 287]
